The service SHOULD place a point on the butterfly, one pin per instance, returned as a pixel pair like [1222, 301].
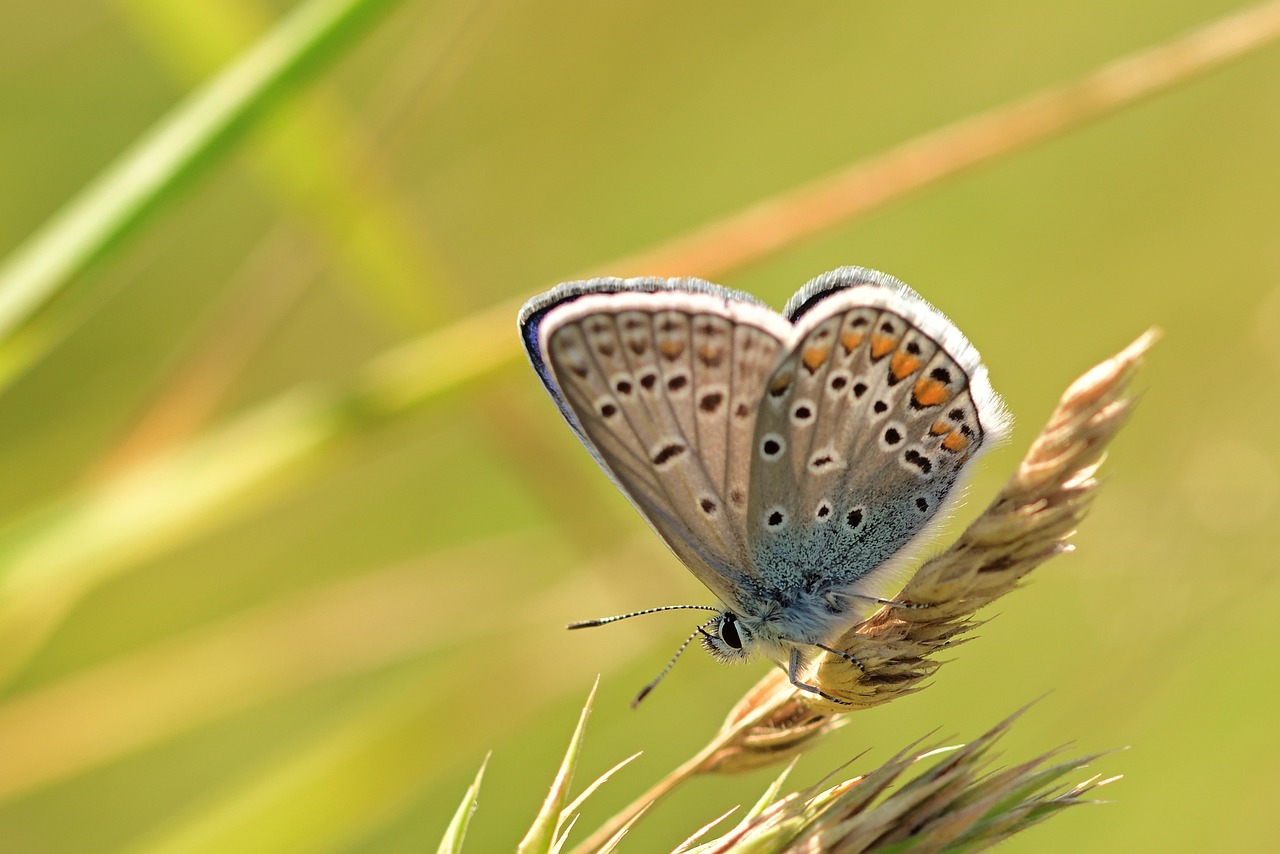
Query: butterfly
[790, 461]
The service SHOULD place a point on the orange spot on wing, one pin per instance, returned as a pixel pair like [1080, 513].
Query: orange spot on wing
[882, 345]
[814, 357]
[929, 392]
[903, 365]
[672, 349]
[955, 442]
[938, 428]
[850, 340]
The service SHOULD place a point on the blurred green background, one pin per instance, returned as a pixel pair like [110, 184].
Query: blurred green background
[248, 603]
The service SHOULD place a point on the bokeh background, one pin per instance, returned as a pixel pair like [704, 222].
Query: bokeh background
[271, 581]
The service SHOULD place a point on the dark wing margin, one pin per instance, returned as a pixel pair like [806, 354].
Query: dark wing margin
[816, 290]
[538, 307]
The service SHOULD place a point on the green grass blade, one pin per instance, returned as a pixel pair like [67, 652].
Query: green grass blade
[199, 129]
[611, 844]
[542, 833]
[456, 833]
[569, 815]
[320, 164]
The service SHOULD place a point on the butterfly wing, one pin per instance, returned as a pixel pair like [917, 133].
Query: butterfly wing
[661, 379]
[866, 427]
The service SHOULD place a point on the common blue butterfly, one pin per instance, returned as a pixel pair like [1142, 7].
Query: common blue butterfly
[789, 460]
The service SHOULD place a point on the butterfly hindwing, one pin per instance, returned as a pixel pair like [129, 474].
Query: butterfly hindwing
[662, 378]
[867, 425]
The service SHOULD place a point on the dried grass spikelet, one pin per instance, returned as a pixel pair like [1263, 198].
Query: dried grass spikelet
[940, 799]
[767, 726]
[919, 800]
[1030, 520]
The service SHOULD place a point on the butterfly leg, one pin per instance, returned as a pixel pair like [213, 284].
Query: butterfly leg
[910, 606]
[841, 654]
[793, 673]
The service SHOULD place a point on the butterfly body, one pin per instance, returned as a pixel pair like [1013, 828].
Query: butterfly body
[772, 621]
[790, 461]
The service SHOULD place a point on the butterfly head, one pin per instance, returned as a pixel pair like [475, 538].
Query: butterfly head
[726, 638]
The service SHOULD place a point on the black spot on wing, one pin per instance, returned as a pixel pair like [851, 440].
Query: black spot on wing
[667, 453]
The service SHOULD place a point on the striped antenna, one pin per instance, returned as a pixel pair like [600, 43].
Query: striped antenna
[644, 692]
[587, 624]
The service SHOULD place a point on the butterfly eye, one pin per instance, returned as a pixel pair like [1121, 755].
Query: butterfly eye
[729, 632]
[728, 640]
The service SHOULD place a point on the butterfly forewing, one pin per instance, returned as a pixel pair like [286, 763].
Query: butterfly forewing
[665, 385]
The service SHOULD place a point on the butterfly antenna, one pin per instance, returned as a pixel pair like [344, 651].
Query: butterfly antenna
[587, 624]
[644, 692]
